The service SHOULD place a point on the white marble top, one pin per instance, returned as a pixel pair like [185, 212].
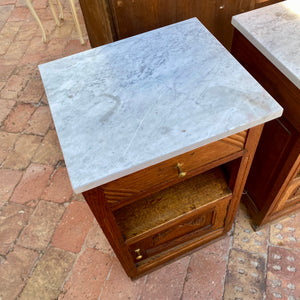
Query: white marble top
[128, 105]
[275, 31]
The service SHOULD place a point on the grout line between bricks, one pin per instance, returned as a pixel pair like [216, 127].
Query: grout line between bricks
[186, 277]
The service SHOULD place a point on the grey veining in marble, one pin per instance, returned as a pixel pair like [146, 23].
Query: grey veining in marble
[127, 105]
[275, 31]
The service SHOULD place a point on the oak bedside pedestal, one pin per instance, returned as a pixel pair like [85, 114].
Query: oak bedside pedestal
[158, 131]
[267, 43]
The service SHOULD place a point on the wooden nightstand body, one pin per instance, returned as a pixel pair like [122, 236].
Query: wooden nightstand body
[155, 215]
[158, 131]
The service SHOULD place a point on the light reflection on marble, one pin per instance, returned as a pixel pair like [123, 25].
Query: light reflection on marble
[125, 106]
[275, 31]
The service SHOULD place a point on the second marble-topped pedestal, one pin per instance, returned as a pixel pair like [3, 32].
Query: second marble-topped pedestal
[267, 42]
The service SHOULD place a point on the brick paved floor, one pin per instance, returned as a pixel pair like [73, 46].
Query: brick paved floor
[50, 245]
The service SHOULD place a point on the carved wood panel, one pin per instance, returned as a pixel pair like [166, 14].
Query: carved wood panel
[167, 173]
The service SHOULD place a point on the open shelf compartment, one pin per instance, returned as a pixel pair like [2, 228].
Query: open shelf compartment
[150, 213]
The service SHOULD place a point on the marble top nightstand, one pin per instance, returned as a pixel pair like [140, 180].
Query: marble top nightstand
[158, 131]
[275, 31]
[127, 105]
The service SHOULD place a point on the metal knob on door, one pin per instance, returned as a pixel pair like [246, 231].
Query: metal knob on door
[138, 253]
[181, 173]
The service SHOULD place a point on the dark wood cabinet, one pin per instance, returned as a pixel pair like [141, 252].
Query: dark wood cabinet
[273, 185]
[110, 20]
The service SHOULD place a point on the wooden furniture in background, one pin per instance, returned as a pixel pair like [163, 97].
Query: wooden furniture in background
[110, 20]
[273, 185]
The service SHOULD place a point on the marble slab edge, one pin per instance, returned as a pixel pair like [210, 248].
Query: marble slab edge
[290, 75]
[160, 159]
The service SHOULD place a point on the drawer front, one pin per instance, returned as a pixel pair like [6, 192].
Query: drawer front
[170, 171]
[194, 225]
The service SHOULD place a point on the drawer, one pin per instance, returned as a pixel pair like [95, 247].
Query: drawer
[196, 224]
[171, 171]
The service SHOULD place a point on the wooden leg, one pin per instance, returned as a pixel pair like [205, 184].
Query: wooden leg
[29, 4]
[61, 13]
[54, 13]
[73, 9]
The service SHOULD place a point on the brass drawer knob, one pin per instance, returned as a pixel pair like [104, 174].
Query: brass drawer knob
[138, 254]
[180, 172]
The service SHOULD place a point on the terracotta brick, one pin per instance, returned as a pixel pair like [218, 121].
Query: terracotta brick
[55, 47]
[15, 270]
[8, 180]
[283, 277]
[19, 14]
[78, 197]
[8, 2]
[30, 58]
[40, 4]
[13, 88]
[36, 45]
[20, 3]
[10, 30]
[49, 151]
[119, 286]
[6, 71]
[44, 14]
[49, 27]
[37, 234]
[220, 247]
[160, 285]
[20, 156]
[286, 233]
[59, 189]
[2, 84]
[3, 49]
[74, 46]
[5, 10]
[44, 100]
[97, 240]
[18, 117]
[74, 227]
[33, 91]
[16, 50]
[39, 122]
[63, 32]
[5, 108]
[7, 141]
[49, 275]
[27, 31]
[32, 184]
[27, 70]
[13, 218]
[244, 237]
[205, 277]
[88, 275]
[246, 276]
